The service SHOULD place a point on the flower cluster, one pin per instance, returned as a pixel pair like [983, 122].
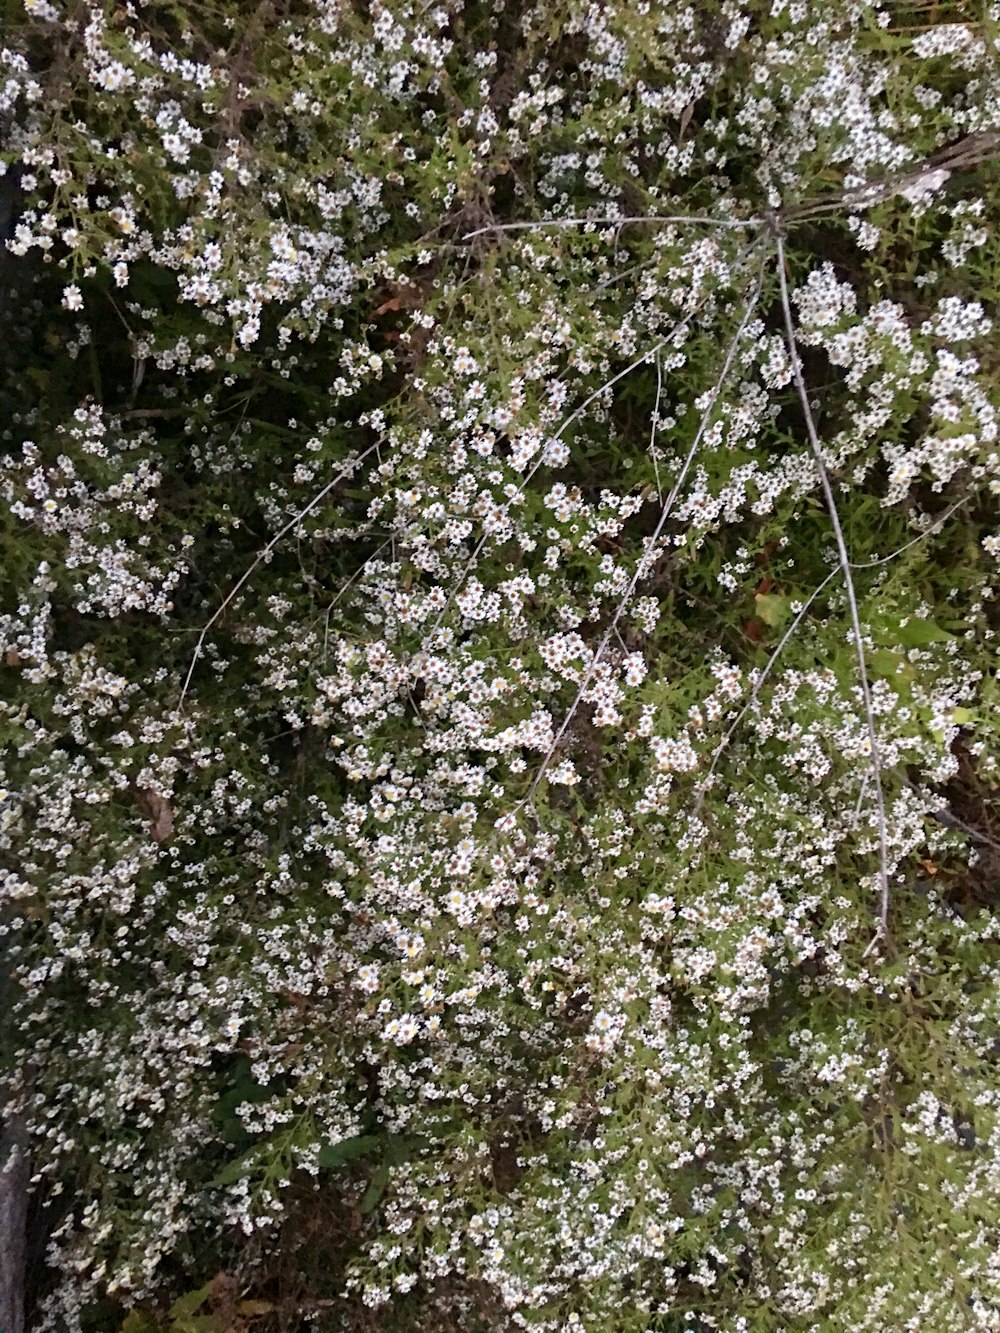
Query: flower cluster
[498, 810]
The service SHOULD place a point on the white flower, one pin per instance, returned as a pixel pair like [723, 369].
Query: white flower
[72, 298]
[368, 978]
[941, 40]
[41, 9]
[406, 1030]
[179, 149]
[564, 774]
[113, 76]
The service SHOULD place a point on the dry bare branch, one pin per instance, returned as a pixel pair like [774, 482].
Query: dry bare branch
[642, 563]
[732, 223]
[844, 561]
[290, 526]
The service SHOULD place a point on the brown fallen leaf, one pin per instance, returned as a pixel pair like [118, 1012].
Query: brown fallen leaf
[686, 115]
[157, 810]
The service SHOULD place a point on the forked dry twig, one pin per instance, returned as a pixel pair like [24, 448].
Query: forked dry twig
[577, 412]
[290, 526]
[759, 685]
[642, 563]
[800, 616]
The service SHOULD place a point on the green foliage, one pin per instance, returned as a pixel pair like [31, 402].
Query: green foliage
[499, 812]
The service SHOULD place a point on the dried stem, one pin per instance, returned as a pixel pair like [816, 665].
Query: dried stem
[759, 683]
[773, 659]
[641, 564]
[292, 523]
[358, 573]
[944, 816]
[934, 527]
[967, 152]
[733, 223]
[852, 601]
[597, 393]
[653, 451]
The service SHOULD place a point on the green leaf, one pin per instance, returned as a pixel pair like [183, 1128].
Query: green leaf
[889, 665]
[198, 1323]
[916, 633]
[245, 1088]
[376, 1188]
[772, 609]
[441, 1129]
[151, 285]
[191, 1302]
[139, 1321]
[234, 1171]
[332, 1155]
[400, 1148]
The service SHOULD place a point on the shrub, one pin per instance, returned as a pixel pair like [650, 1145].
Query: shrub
[499, 696]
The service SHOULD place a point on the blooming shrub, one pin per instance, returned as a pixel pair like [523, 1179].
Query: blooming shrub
[499, 641]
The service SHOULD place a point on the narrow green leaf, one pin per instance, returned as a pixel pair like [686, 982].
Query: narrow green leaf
[332, 1155]
[376, 1188]
[233, 1171]
[191, 1302]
